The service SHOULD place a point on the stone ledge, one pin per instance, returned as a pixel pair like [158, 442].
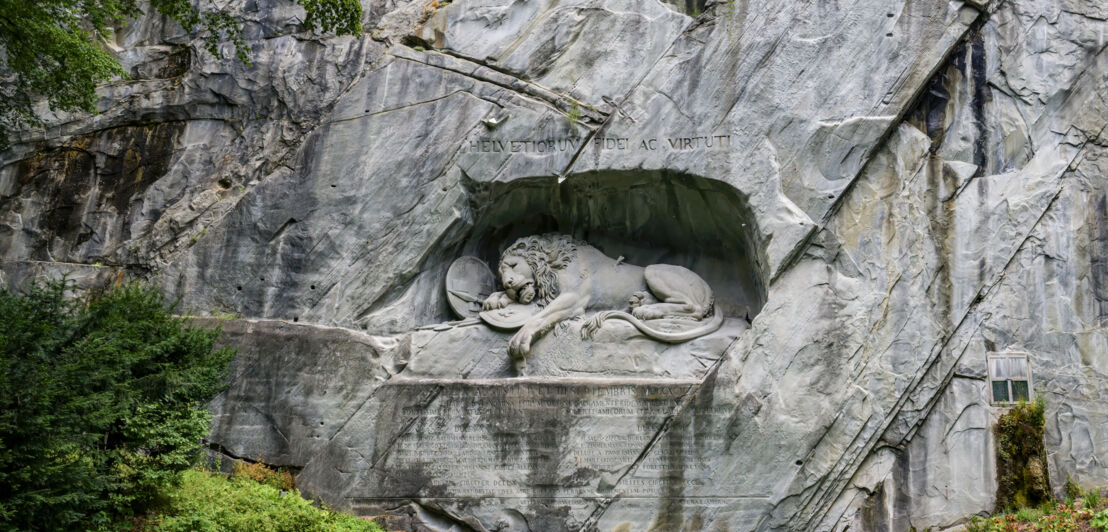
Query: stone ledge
[473, 351]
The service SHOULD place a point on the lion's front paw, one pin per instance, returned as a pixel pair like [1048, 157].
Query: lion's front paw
[520, 344]
[496, 300]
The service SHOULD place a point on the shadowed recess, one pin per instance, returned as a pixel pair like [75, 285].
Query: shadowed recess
[645, 217]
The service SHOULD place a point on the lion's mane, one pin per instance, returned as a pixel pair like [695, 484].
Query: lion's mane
[544, 254]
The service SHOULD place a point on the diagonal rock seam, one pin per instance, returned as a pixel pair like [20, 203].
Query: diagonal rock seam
[472, 69]
[798, 251]
[817, 513]
[663, 428]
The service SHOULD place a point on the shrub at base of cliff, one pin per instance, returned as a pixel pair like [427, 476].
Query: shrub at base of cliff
[1086, 513]
[1020, 457]
[102, 403]
[209, 502]
[279, 478]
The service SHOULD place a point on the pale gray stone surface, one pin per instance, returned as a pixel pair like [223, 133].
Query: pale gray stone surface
[283, 406]
[885, 190]
[618, 350]
[940, 478]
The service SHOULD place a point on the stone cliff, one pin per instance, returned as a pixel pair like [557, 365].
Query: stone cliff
[890, 191]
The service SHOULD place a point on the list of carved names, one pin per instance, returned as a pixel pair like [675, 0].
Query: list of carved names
[542, 440]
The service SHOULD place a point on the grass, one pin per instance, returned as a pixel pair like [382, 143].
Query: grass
[250, 500]
[1022, 483]
[574, 114]
[1086, 512]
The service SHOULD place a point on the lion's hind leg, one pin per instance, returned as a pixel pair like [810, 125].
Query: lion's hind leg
[681, 292]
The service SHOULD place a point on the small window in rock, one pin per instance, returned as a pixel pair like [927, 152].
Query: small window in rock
[1009, 378]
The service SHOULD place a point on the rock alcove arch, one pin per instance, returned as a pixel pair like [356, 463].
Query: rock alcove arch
[639, 218]
[646, 217]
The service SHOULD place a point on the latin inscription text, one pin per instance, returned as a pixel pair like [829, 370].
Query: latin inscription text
[572, 144]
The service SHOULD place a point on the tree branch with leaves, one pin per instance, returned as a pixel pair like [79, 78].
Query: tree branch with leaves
[52, 51]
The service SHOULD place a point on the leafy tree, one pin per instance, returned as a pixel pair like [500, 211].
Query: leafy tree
[49, 48]
[102, 402]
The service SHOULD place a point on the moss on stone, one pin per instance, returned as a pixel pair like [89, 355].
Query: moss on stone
[1020, 457]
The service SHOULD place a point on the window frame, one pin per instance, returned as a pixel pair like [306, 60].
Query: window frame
[1009, 355]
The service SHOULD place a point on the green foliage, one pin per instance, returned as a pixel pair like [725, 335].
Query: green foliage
[1073, 491]
[341, 16]
[1059, 518]
[52, 50]
[574, 114]
[1020, 457]
[209, 502]
[992, 524]
[1050, 516]
[1004, 523]
[1092, 498]
[1100, 520]
[102, 402]
[258, 472]
[1028, 515]
[1066, 518]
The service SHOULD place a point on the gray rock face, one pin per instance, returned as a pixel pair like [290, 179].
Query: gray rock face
[879, 194]
[281, 406]
[618, 350]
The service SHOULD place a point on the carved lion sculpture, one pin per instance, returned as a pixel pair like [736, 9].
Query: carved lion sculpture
[567, 277]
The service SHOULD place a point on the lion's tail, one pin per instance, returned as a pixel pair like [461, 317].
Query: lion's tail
[668, 337]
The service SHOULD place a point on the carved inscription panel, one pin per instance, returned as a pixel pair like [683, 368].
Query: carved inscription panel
[572, 144]
[528, 439]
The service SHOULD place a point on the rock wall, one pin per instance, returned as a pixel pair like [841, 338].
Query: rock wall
[888, 190]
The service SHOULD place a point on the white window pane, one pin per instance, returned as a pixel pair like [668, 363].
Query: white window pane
[1017, 368]
[997, 369]
[1010, 366]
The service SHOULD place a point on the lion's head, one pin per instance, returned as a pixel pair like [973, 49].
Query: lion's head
[542, 255]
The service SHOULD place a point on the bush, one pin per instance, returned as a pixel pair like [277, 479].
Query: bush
[1055, 517]
[1086, 515]
[102, 402]
[206, 502]
[258, 472]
